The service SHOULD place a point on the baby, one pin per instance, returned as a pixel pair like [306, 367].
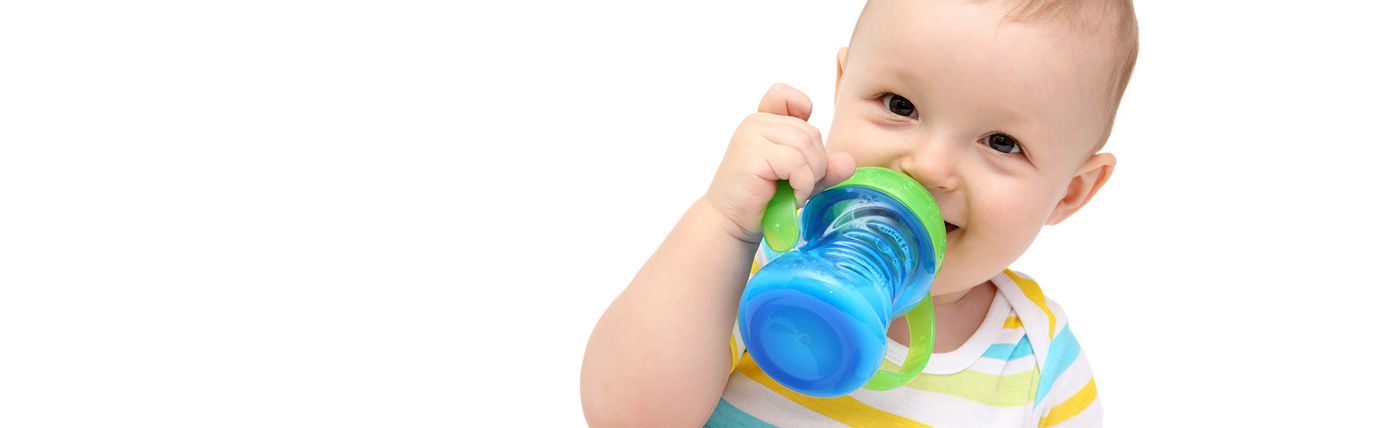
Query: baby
[1000, 109]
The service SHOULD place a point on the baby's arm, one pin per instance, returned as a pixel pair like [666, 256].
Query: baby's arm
[659, 356]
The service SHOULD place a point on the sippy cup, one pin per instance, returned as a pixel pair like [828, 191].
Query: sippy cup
[815, 318]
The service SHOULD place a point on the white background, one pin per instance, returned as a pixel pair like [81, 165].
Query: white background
[293, 213]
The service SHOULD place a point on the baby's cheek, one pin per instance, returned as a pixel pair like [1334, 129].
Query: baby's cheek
[838, 141]
[869, 147]
[1016, 223]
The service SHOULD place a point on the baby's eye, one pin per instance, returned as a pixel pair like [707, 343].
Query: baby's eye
[901, 106]
[1003, 143]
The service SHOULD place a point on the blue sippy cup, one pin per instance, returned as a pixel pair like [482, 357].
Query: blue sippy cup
[815, 318]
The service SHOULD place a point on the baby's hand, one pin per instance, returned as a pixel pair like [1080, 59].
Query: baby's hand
[774, 144]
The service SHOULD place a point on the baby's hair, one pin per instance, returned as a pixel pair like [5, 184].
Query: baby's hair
[1116, 18]
[1088, 17]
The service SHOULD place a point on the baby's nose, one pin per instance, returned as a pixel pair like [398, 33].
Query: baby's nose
[934, 165]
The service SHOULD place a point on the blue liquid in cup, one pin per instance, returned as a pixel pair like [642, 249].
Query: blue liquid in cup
[815, 318]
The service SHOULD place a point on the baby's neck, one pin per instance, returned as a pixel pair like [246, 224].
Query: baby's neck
[956, 317]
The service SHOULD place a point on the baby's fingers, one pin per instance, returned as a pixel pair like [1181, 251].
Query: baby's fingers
[789, 164]
[786, 101]
[839, 167]
[804, 138]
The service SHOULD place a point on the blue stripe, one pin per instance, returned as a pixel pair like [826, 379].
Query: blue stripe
[1063, 351]
[1007, 351]
[726, 415]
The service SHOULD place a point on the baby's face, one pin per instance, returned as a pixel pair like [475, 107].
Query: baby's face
[998, 120]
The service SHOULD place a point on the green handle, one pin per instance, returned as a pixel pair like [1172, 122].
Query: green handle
[780, 219]
[921, 325]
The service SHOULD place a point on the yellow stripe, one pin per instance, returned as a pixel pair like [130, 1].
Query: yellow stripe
[1071, 407]
[754, 269]
[1013, 322]
[993, 390]
[842, 409]
[1032, 291]
[733, 353]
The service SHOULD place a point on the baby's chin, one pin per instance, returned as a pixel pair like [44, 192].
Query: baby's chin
[955, 279]
[953, 282]
[940, 291]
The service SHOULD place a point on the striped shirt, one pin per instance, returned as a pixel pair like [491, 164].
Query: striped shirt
[1022, 367]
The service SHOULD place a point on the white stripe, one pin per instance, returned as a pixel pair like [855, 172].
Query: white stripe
[760, 402]
[941, 410]
[738, 339]
[1061, 317]
[1070, 381]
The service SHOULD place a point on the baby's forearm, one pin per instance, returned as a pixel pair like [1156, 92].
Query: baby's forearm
[660, 353]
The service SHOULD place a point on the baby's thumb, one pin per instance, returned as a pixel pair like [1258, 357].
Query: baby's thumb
[839, 167]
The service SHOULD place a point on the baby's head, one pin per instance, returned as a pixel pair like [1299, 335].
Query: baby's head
[999, 107]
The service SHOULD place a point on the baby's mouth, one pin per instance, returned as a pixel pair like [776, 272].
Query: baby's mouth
[949, 227]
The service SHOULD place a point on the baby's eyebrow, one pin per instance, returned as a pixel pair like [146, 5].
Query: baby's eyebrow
[886, 71]
[1013, 123]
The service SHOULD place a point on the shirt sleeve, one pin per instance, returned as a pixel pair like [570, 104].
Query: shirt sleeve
[1072, 398]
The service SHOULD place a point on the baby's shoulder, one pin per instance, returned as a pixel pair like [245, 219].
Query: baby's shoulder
[1028, 298]
[1043, 319]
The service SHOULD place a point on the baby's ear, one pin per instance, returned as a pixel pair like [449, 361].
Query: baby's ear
[840, 69]
[1086, 182]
